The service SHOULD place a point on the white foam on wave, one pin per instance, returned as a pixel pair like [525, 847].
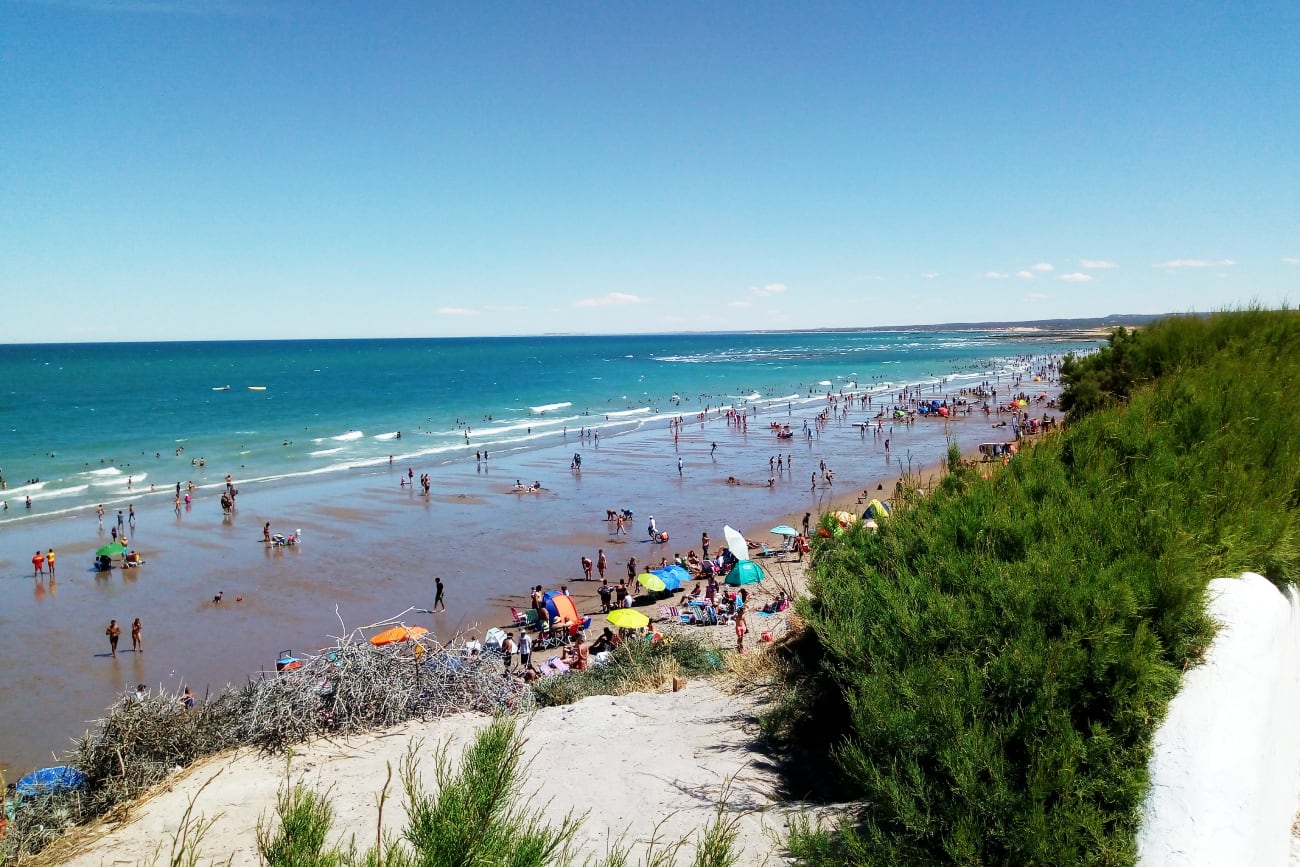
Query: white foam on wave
[547, 425]
[391, 435]
[106, 471]
[350, 435]
[824, 382]
[333, 451]
[63, 492]
[547, 407]
[622, 413]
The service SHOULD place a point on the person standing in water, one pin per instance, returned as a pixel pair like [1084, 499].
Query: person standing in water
[438, 595]
[114, 632]
[137, 636]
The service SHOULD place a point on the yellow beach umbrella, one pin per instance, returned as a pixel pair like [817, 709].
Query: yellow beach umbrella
[626, 618]
[651, 582]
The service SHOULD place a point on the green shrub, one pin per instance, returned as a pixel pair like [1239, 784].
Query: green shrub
[1002, 653]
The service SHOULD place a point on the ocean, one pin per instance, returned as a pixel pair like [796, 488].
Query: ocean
[89, 424]
[309, 450]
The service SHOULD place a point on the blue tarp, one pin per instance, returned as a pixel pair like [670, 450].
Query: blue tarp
[50, 780]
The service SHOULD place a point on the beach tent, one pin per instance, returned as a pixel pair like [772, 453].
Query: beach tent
[745, 572]
[560, 606]
[494, 638]
[736, 542]
[876, 510]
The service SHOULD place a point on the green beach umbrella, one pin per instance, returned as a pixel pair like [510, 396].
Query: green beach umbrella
[112, 549]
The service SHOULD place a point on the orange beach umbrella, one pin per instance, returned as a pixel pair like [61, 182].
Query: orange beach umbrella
[397, 634]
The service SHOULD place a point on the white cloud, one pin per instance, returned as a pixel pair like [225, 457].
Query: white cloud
[1195, 263]
[739, 304]
[1036, 296]
[1025, 275]
[613, 299]
[1291, 260]
[454, 311]
[1096, 264]
[1042, 266]
[929, 275]
[995, 275]
[1076, 277]
[769, 290]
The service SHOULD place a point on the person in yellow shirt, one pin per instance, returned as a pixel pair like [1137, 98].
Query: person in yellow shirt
[49, 562]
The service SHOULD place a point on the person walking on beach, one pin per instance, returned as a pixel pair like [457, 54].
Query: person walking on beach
[121, 521]
[99, 513]
[604, 591]
[137, 636]
[438, 595]
[713, 449]
[807, 516]
[525, 648]
[704, 544]
[114, 632]
[38, 564]
[131, 516]
[600, 562]
[679, 466]
[49, 562]
[266, 533]
[631, 569]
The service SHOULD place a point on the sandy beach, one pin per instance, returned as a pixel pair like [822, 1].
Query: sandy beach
[372, 547]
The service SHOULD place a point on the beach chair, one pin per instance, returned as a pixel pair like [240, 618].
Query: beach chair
[674, 615]
[767, 552]
[520, 618]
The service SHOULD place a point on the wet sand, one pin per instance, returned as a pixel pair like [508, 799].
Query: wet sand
[372, 548]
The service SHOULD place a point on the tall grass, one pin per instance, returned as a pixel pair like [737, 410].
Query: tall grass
[997, 659]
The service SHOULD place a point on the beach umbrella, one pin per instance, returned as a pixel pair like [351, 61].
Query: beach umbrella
[669, 579]
[494, 638]
[677, 571]
[560, 607]
[784, 530]
[745, 572]
[50, 780]
[736, 542]
[112, 549]
[651, 582]
[397, 634]
[626, 618]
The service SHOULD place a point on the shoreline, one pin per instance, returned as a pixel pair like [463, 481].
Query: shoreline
[371, 549]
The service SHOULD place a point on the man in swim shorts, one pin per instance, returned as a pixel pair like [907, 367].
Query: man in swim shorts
[438, 595]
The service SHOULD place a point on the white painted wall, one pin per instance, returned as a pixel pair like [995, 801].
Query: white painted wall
[1224, 770]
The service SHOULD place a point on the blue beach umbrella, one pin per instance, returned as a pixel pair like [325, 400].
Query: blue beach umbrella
[666, 575]
[783, 530]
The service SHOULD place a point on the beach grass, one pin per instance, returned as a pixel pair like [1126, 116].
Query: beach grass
[985, 674]
[634, 666]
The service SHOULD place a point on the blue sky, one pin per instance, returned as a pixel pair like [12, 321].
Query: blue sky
[239, 169]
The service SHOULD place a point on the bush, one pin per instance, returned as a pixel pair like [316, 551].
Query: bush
[1002, 653]
[633, 666]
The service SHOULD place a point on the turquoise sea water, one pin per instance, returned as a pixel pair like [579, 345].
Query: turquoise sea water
[79, 422]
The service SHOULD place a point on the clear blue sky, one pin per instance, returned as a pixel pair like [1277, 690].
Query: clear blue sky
[258, 169]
